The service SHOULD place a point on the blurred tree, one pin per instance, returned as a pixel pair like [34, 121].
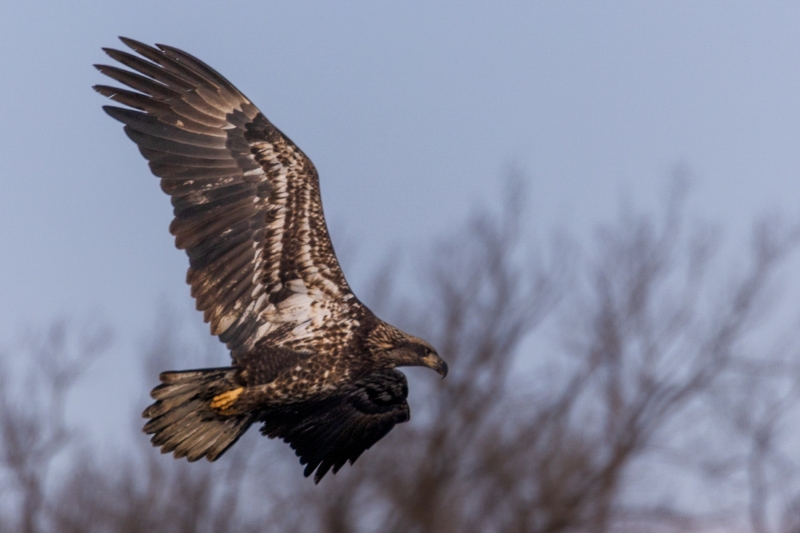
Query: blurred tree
[661, 408]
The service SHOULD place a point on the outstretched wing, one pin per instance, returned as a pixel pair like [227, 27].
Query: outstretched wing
[247, 204]
[334, 430]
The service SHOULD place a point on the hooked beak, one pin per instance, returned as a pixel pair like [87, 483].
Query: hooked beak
[437, 363]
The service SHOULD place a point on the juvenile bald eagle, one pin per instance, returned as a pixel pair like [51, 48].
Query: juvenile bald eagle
[311, 363]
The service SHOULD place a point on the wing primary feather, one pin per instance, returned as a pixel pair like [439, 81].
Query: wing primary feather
[138, 82]
[216, 195]
[221, 311]
[184, 226]
[136, 100]
[197, 176]
[199, 67]
[238, 332]
[196, 100]
[242, 286]
[149, 124]
[191, 232]
[213, 98]
[149, 69]
[146, 140]
[200, 256]
[209, 296]
[160, 157]
[158, 57]
[215, 208]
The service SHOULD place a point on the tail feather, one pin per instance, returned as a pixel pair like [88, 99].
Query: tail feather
[182, 420]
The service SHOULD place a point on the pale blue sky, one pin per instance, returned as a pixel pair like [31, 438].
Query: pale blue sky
[411, 112]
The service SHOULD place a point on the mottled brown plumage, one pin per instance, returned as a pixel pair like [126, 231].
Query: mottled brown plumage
[310, 362]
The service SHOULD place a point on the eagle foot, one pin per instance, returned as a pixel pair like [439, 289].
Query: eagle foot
[223, 402]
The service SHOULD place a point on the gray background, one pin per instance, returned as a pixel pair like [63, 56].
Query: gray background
[412, 113]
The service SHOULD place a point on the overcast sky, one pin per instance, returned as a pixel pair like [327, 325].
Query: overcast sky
[412, 113]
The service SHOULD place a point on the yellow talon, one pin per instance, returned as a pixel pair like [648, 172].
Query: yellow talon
[224, 401]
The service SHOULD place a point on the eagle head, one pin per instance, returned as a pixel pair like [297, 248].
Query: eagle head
[399, 348]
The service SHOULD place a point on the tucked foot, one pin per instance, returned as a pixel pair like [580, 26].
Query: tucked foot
[223, 402]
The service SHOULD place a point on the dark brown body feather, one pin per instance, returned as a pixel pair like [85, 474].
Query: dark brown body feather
[309, 360]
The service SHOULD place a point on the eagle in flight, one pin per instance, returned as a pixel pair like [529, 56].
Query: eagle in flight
[311, 363]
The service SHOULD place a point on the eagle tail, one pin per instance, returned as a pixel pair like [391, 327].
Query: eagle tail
[182, 419]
